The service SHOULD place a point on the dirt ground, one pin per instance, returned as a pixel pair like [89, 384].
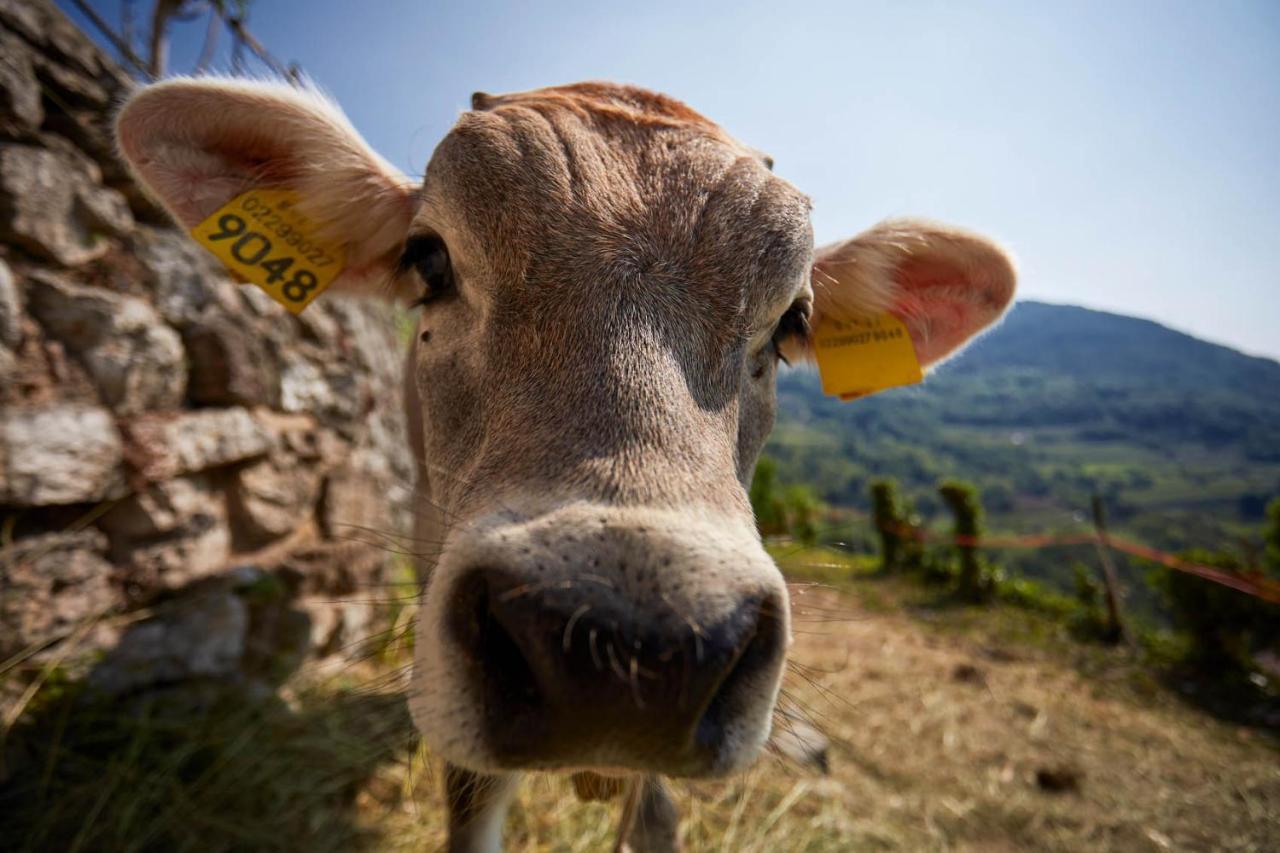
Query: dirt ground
[945, 741]
[949, 735]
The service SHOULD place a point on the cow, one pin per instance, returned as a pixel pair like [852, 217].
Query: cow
[605, 283]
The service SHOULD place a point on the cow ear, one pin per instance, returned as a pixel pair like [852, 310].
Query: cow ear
[198, 143]
[946, 285]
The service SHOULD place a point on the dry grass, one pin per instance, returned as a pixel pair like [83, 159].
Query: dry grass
[942, 721]
[942, 738]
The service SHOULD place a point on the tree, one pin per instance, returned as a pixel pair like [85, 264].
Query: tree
[152, 60]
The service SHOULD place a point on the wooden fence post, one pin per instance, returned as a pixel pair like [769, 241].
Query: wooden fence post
[1115, 624]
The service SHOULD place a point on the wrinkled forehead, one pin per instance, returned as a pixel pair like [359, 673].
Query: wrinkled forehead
[601, 180]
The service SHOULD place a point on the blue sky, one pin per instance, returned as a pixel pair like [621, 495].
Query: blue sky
[1127, 152]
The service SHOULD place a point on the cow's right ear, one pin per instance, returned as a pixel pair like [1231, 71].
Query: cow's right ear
[945, 284]
[198, 143]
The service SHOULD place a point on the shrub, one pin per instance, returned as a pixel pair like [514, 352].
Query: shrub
[794, 510]
[1089, 619]
[766, 502]
[1031, 595]
[897, 528]
[801, 509]
[974, 579]
[1225, 627]
[1271, 539]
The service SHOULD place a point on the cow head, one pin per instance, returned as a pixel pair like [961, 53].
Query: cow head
[606, 282]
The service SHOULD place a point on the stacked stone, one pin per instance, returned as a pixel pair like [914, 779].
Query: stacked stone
[169, 439]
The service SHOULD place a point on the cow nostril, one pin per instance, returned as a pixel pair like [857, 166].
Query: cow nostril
[753, 672]
[499, 670]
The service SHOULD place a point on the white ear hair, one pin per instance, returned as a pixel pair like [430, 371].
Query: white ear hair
[196, 143]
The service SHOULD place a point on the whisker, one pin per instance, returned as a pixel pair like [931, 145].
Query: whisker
[614, 664]
[635, 684]
[595, 655]
[568, 628]
[388, 534]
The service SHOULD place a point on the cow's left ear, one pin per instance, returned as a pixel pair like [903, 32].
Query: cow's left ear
[943, 283]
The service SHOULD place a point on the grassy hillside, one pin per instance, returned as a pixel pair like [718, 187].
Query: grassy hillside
[1181, 436]
[951, 729]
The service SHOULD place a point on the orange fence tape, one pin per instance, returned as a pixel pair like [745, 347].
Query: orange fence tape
[1250, 583]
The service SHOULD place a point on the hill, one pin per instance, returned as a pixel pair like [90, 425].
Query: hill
[1181, 436]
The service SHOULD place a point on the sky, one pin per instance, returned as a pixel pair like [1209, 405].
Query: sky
[1128, 153]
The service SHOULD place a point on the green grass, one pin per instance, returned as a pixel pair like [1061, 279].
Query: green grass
[197, 768]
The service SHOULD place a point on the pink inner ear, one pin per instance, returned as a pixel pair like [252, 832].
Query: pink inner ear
[940, 306]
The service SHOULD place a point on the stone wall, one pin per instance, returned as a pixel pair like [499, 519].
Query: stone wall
[184, 467]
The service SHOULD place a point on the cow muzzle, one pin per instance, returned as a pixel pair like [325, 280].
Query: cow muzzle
[606, 639]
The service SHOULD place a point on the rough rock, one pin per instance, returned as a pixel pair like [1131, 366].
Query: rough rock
[8, 370]
[302, 436]
[59, 455]
[371, 332]
[10, 309]
[199, 637]
[51, 585]
[117, 335]
[160, 508]
[136, 361]
[25, 18]
[165, 446]
[380, 359]
[273, 497]
[42, 24]
[20, 110]
[332, 372]
[196, 548]
[44, 375]
[355, 498]
[330, 391]
[262, 305]
[186, 280]
[229, 363]
[73, 87]
[52, 206]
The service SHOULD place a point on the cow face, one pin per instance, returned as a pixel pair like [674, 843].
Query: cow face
[606, 284]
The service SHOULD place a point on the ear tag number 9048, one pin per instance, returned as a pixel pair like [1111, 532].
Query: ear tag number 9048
[261, 236]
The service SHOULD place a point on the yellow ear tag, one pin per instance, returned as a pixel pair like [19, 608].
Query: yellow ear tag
[863, 356]
[261, 237]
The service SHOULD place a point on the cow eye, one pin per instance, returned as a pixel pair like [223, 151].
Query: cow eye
[428, 256]
[793, 324]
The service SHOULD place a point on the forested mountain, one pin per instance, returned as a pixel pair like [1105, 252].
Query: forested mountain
[1181, 436]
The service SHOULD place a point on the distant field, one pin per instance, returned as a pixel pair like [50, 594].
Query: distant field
[1180, 437]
